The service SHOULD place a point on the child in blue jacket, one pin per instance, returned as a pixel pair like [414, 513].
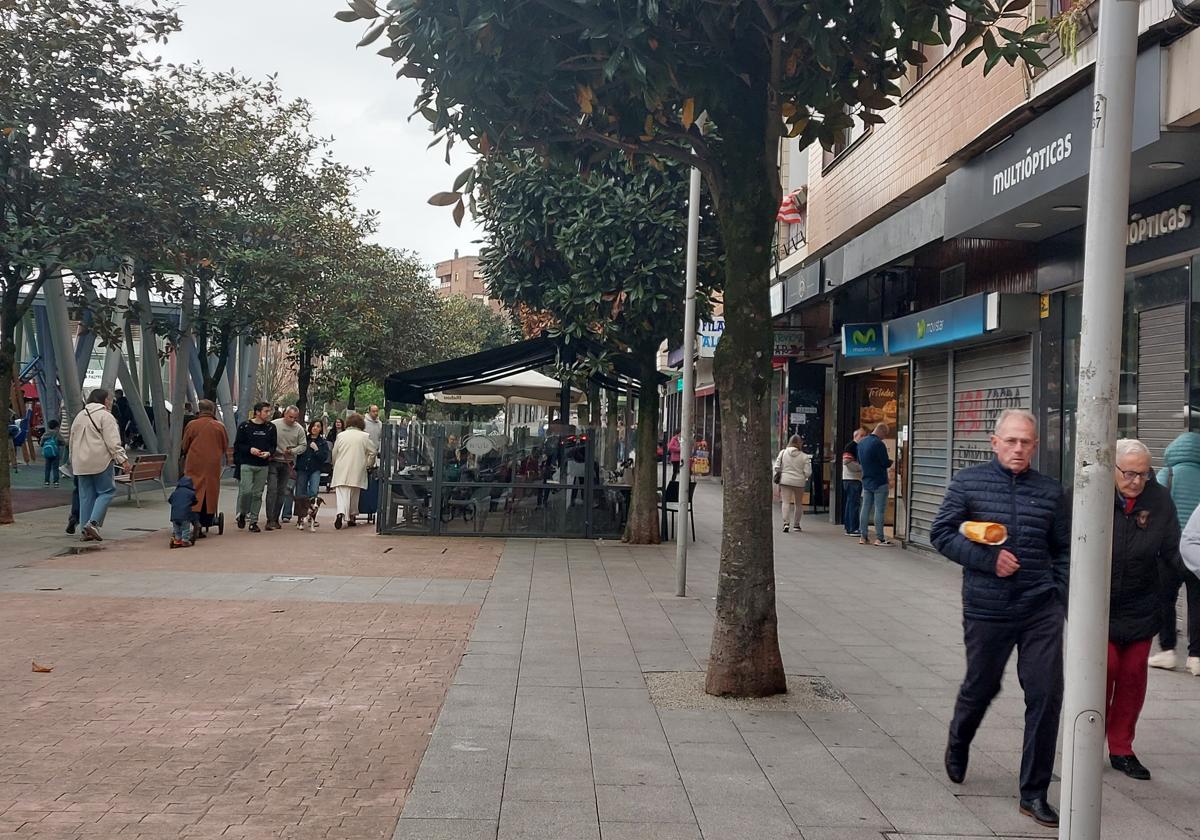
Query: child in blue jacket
[183, 497]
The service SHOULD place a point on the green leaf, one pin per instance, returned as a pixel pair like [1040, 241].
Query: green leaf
[971, 56]
[444, 199]
[461, 180]
[459, 211]
[373, 34]
[365, 8]
[347, 16]
[1015, 6]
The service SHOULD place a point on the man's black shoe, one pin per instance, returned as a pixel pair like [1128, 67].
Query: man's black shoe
[1130, 766]
[254, 529]
[956, 764]
[71, 526]
[1040, 811]
[241, 521]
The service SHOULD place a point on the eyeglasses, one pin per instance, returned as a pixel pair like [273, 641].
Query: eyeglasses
[1131, 475]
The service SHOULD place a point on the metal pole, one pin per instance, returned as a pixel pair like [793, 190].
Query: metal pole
[688, 402]
[1100, 349]
[64, 349]
[112, 354]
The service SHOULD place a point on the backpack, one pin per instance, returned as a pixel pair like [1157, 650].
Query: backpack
[50, 446]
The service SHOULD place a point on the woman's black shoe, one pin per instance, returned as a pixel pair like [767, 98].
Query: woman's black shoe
[1130, 766]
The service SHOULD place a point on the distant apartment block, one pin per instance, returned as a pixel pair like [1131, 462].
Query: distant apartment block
[460, 277]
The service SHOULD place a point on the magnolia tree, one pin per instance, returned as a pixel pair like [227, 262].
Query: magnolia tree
[575, 79]
[603, 254]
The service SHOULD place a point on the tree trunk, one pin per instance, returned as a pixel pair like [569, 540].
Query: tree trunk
[610, 435]
[151, 364]
[303, 379]
[744, 660]
[353, 390]
[643, 527]
[8, 363]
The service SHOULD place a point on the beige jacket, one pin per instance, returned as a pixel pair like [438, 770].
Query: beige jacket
[353, 454]
[95, 440]
[795, 465]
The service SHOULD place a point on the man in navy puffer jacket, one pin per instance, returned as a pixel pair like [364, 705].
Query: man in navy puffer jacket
[1013, 596]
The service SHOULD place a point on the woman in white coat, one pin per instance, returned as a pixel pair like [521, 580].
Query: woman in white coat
[353, 454]
[793, 466]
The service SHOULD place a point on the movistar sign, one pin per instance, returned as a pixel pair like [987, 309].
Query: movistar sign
[863, 339]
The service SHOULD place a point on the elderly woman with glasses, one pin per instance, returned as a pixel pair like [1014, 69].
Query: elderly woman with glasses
[1145, 543]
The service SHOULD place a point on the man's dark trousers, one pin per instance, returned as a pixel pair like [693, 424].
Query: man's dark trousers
[1038, 640]
[278, 473]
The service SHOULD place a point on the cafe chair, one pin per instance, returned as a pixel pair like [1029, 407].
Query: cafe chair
[670, 500]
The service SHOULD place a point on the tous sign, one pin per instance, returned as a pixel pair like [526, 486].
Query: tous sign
[1053, 152]
[1142, 228]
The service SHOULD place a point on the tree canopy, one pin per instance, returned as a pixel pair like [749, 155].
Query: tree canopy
[574, 79]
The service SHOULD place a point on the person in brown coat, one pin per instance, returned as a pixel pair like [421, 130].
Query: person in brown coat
[205, 446]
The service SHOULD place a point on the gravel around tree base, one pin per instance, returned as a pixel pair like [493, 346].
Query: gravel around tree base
[685, 690]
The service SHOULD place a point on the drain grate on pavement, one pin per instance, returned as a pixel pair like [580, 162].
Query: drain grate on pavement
[685, 690]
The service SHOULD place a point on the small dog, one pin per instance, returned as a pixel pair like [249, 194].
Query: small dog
[314, 509]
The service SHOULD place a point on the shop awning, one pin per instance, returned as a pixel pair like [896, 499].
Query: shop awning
[412, 386]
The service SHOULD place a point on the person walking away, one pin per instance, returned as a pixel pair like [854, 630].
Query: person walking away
[1145, 540]
[95, 445]
[310, 462]
[51, 447]
[205, 447]
[252, 450]
[353, 454]
[674, 451]
[1014, 595]
[374, 426]
[793, 466]
[183, 499]
[875, 462]
[1181, 477]
[124, 415]
[852, 488]
[290, 442]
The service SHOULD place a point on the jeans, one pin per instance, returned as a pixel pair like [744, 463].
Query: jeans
[278, 475]
[308, 484]
[250, 488]
[1170, 594]
[52, 470]
[1039, 643]
[95, 495]
[181, 529]
[853, 491]
[73, 517]
[876, 499]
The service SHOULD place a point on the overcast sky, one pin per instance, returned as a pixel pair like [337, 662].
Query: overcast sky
[356, 98]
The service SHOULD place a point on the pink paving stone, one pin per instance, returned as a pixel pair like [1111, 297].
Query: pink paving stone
[172, 718]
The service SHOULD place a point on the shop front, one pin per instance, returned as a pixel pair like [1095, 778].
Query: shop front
[1160, 343]
[939, 380]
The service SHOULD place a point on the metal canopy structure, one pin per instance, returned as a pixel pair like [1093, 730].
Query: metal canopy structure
[412, 386]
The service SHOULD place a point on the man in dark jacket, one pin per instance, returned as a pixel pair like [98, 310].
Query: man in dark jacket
[875, 462]
[252, 450]
[1013, 596]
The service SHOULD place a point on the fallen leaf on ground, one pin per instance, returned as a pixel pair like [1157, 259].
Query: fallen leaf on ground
[41, 669]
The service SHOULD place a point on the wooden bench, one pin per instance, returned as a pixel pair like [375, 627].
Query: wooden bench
[145, 468]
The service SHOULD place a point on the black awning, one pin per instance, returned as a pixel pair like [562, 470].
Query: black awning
[411, 386]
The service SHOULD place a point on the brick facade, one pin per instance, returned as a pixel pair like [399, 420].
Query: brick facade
[903, 159]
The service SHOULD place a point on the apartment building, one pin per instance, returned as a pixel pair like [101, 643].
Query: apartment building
[939, 277]
[460, 277]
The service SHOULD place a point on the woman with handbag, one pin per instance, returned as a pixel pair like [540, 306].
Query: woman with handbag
[793, 466]
[95, 445]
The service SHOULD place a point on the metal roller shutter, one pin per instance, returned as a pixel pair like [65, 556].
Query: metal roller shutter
[1161, 378]
[987, 380]
[929, 444]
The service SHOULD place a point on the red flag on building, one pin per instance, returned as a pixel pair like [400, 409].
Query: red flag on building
[789, 211]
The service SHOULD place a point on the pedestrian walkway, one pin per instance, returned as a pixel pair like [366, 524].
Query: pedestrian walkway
[551, 731]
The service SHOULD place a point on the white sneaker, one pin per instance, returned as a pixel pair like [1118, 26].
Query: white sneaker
[1193, 665]
[1164, 659]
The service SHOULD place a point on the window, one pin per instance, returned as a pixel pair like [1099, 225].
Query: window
[936, 53]
[847, 137]
[952, 282]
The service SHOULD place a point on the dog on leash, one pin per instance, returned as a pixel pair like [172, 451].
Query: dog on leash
[314, 510]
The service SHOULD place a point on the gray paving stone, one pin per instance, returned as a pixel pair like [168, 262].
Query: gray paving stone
[548, 755]
[649, 831]
[439, 829]
[643, 803]
[544, 820]
[453, 801]
[549, 785]
[634, 768]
